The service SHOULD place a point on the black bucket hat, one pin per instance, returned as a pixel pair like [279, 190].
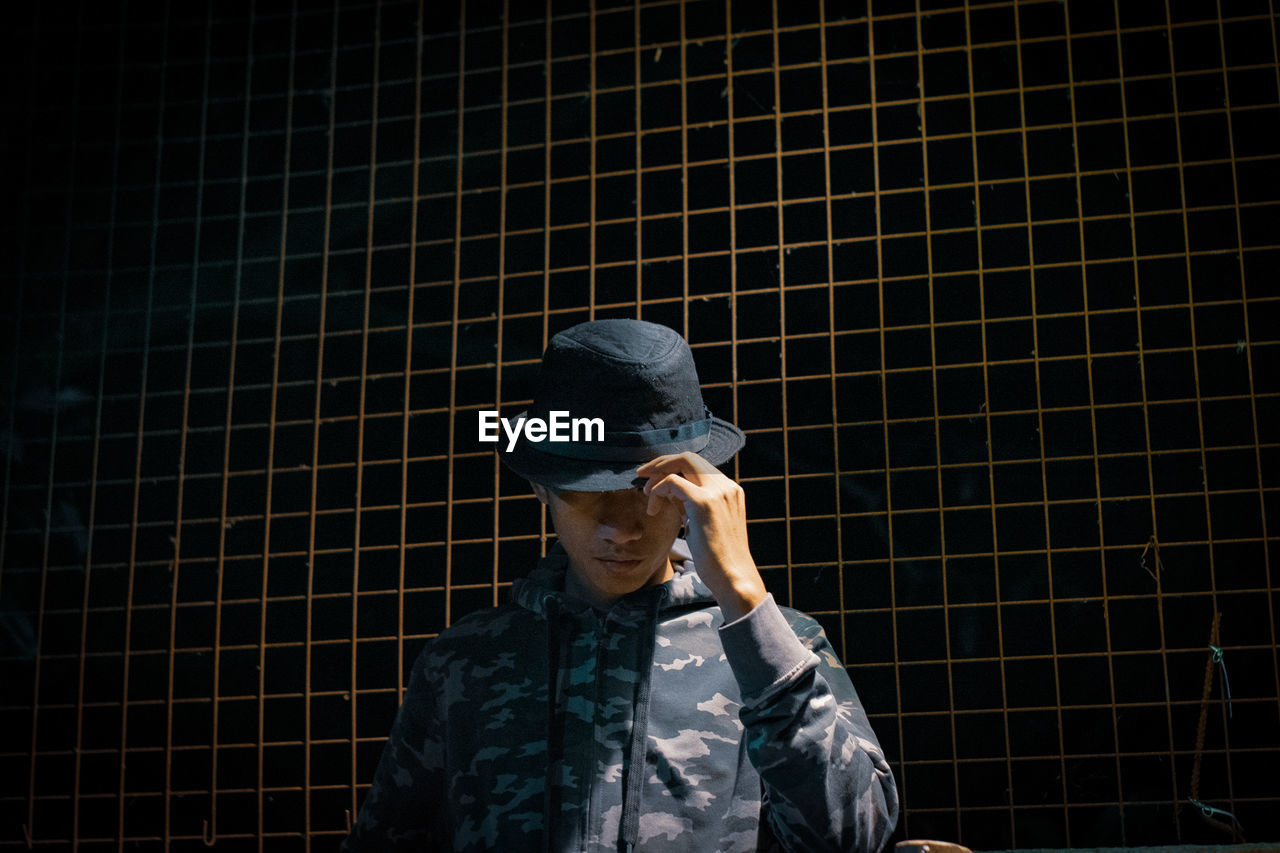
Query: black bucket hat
[639, 378]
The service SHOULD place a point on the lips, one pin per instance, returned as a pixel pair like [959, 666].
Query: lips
[620, 562]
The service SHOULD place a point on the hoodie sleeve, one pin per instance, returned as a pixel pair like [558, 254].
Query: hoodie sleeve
[827, 785]
[395, 814]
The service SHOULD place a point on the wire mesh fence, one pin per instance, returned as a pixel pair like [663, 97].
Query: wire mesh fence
[990, 286]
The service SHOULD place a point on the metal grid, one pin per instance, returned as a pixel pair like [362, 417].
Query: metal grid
[990, 286]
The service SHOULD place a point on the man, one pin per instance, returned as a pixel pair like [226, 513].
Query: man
[642, 691]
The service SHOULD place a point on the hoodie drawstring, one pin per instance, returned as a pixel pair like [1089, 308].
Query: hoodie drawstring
[555, 727]
[629, 826]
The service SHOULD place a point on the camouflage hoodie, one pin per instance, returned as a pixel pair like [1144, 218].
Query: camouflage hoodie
[727, 723]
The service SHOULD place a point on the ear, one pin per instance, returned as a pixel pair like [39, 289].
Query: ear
[540, 490]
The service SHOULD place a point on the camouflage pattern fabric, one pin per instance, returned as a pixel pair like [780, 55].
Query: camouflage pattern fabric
[757, 719]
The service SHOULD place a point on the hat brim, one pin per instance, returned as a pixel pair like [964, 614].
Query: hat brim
[592, 475]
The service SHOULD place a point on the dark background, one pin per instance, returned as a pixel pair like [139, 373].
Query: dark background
[992, 288]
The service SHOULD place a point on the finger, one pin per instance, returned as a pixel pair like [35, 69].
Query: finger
[655, 504]
[692, 466]
[672, 487]
[663, 466]
[688, 457]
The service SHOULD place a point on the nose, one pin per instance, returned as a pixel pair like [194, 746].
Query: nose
[621, 515]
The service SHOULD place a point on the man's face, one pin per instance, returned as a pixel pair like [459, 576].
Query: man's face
[614, 546]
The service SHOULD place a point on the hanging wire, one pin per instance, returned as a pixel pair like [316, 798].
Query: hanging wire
[1226, 682]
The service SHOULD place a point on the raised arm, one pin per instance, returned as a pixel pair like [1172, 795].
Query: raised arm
[827, 785]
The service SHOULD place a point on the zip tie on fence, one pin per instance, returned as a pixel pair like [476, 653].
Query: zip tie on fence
[1153, 546]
